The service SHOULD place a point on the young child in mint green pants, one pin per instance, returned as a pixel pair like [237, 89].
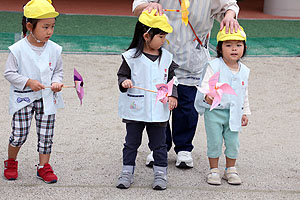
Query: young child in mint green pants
[224, 122]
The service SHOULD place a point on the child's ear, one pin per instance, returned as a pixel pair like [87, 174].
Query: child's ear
[146, 36]
[29, 26]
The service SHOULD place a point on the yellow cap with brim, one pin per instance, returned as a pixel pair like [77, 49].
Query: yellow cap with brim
[155, 21]
[239, 35]
[40, 9]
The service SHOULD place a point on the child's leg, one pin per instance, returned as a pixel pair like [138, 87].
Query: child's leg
[133, 141]
[214, 121]
[21, 123]
[45, 132]
[232, 145]
[20, 128]
[44, 159]
[214, 135]
[157, 143]
[230, 162]
[213, 162]
[13, 152]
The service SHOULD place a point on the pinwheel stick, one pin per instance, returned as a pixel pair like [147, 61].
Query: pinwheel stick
[172, 10]
[66, 86]
[144, 89]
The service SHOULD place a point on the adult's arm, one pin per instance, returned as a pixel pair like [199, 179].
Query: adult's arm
[226, 12]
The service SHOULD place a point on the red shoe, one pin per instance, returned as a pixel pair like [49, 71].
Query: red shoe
[47, 174]
[11, 169]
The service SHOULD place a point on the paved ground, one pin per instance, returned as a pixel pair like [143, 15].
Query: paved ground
[87, 152]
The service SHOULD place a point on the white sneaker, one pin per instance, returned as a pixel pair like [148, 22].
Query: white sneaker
[150, 160]
[184, 159]
[214, 177]
[232, 176]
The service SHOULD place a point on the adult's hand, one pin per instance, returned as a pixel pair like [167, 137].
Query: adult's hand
[148, 6]
[229, 22]
[156, 6]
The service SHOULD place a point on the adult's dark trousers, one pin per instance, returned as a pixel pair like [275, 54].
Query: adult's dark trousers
[184, 120]
[157, 143]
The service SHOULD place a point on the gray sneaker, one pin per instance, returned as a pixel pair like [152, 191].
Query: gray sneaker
[160, 178]
[126, 177]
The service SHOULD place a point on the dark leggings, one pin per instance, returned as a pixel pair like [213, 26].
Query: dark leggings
[157, 143]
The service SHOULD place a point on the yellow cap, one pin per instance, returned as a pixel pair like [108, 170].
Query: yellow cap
[223, 36]
[155, 21]
[40, 9]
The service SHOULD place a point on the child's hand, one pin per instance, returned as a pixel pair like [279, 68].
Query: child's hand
[127, 83]
[35, 85]
[209, 99]
[172, 103]
[56, 87]
[244, 120]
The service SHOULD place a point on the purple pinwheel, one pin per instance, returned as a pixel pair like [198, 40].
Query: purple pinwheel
[78, 80]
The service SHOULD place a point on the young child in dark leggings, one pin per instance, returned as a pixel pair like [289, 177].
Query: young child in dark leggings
[146, 64]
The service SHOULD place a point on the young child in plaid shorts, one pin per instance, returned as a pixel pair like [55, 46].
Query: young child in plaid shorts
[33, 64]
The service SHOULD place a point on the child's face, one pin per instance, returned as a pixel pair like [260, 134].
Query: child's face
[157, 41]
[44, 29]
[232, 50]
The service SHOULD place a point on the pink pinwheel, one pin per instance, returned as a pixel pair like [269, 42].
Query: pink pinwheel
[164, 91]
[216, 90]
[78, 80]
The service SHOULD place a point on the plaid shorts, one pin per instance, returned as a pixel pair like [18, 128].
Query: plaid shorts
[21, 123]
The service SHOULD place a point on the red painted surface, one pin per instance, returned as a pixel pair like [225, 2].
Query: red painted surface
[252, 9]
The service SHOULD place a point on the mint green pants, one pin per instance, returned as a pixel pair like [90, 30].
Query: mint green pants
[217, 130]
